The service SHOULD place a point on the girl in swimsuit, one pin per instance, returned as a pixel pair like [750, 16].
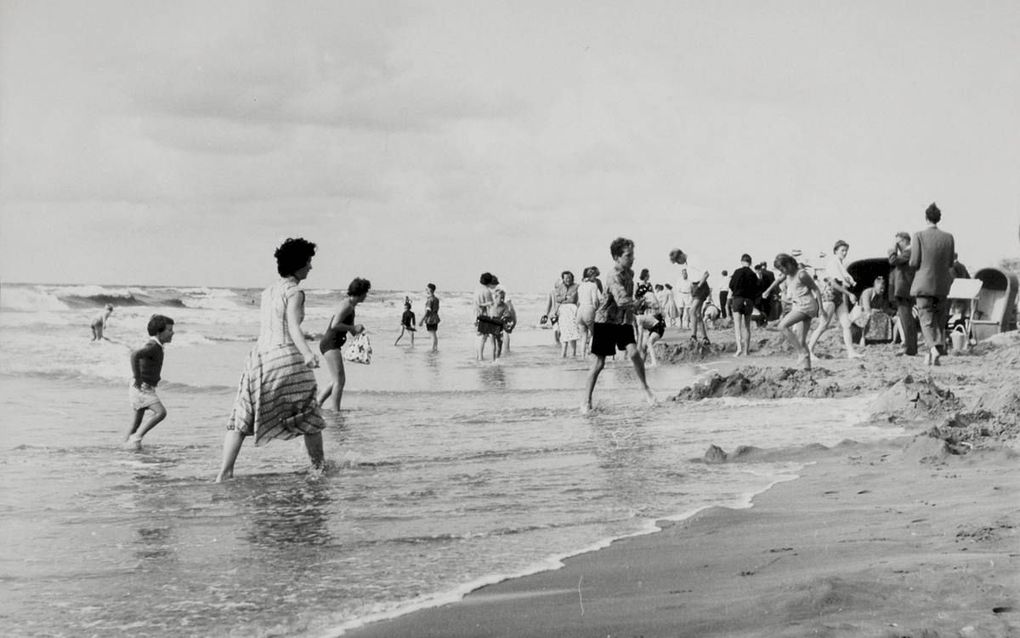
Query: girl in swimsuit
[341, 323]
[805, 301]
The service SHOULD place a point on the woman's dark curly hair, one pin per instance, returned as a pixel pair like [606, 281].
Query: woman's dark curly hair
[358, 287]
[293, 255]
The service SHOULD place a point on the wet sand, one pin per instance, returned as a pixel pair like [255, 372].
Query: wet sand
[915, 537]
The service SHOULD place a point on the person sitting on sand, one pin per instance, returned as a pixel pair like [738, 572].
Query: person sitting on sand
[99, 322]
[406, 324]
[805, 301]
[146, 367]
[614, 321]
[872, 309]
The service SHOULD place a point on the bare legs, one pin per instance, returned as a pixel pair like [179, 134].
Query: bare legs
[233, 441]
[482, 338]
[649, 347]
[135, 433]
[231, 446]
[742, 328]
[830, 310]
[800, 320]
[600, 363]
[335, 364]
[572, 344]
[697, 319]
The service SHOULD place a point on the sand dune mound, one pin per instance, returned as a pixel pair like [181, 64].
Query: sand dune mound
[774, 383]
[913, 400]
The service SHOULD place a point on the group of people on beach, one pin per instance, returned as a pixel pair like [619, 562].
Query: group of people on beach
[277, 396]
[922, 269]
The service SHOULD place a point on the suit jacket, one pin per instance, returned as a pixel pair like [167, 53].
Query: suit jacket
[902, 274]
[931, 253]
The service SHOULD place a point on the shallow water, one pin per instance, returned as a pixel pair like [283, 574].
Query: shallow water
[444, 473]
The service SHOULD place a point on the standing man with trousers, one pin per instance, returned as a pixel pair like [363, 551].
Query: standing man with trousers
[901, 279]
[931, 254]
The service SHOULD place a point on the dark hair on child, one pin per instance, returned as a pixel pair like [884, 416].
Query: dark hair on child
[644, 274]
[157, 324]
[431, 287]
[293, 255]
[785, 263]
[619, 245]
[358, 287]
[565, 273]
[486, 279]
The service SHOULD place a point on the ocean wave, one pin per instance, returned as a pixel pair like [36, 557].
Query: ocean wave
[29, 300]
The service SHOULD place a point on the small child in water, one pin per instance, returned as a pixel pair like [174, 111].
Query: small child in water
[99, 323]
[146, 366]
[406, 323]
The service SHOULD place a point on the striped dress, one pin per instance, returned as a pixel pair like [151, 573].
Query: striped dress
[276, 394]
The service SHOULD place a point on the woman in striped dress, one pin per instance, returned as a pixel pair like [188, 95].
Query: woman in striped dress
[276, 394]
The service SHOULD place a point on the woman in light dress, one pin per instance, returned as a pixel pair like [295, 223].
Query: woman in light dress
[589, 296]
[567, 314]
[276, 394]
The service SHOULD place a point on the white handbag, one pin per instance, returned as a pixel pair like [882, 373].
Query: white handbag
[358, 349]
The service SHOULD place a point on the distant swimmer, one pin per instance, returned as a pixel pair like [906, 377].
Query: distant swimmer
[146, 366]
[99, 323]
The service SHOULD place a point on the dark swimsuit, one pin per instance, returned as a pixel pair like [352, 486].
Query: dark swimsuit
[334, 337]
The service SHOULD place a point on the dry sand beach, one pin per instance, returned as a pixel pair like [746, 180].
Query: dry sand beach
[916, 537]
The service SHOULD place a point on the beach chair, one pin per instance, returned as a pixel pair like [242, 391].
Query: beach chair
[994, 306]
[965, 291]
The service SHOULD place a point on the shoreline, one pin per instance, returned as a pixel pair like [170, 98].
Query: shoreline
[914, 536]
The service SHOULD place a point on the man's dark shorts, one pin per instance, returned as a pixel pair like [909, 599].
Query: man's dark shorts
[742, 306]
[607, 338]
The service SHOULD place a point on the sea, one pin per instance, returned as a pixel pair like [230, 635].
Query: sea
[444, 473]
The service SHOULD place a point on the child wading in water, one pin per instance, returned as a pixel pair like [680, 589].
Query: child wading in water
[805, 300]
[614, 321]
[406, 323]
[146, 366]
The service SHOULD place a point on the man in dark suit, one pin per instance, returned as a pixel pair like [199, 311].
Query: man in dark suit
[931, 255]
[765, 306]
[900, 281]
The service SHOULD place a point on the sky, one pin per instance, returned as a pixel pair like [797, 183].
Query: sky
[178, 143]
